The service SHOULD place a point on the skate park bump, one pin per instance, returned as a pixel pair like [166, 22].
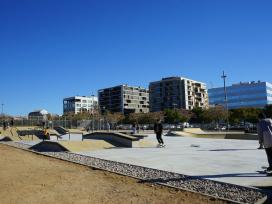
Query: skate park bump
[70, 146]
[197, 132]
[117, 138]
[49, 146]
[5, 139]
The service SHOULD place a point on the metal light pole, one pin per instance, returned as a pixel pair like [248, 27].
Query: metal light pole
[224, 76]
[92, 113]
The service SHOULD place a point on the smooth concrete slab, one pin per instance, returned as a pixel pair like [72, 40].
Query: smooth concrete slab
[87, 145]
[66, 137]
[231, 161]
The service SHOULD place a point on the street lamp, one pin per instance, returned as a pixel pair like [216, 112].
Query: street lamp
[92, 111]
[2, 113]
[224, 76]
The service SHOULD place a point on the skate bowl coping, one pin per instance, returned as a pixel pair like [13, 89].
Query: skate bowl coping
[114, 137]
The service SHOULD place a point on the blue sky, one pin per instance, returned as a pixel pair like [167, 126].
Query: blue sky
[51, 49]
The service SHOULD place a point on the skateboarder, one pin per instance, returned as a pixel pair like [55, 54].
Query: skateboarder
[158, 131]
[265, 138]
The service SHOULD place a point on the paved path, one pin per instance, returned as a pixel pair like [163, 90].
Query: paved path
[231, 161]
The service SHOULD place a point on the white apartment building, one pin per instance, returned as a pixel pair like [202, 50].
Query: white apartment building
[78, 104]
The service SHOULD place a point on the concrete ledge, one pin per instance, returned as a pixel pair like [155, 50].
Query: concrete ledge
[140, 136]
[242, 136]
[114, 137]
[215, 135]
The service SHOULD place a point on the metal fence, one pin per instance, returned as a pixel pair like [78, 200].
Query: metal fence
[96, 124]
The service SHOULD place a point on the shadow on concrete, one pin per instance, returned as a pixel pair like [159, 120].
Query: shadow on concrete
[219, 150]
[112, 142]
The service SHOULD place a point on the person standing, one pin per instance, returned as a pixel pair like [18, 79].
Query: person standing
[108, 126]
[4, 125]
[265, 138]
[137, 128]
[158, 131]
[134, 128]
[259, 134]
[11, 122]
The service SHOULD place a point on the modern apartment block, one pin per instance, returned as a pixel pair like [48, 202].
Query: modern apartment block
[77, 104]
[125, 99]
[177, 92]
[244, 94]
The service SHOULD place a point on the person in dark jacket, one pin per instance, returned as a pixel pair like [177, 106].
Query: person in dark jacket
[158, 131]
[12, 122]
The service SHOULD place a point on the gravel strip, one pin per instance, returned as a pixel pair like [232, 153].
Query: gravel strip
[230, 192]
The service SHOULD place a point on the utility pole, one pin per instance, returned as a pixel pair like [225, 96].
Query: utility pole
[92, 112]
[224, 76]
[2, 113]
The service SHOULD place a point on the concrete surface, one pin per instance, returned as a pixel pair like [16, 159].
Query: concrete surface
[231, 161]
[73, 137]
[216, 135]
[90, 145]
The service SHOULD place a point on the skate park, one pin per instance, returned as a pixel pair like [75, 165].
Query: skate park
[233, 161]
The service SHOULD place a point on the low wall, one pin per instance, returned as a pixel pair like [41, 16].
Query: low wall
[114, 137]
[214, 135]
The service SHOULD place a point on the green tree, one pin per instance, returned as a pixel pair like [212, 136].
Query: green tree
[176, 116]
[143, 118]
[114, 117]
[268, 111]
[244, 115]
[214, 114]
[170, 116]
[197, 115]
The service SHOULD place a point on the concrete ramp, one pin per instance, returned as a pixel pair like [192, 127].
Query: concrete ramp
[5, 139]
[48, 146]
[71, 146]
[214, 135]
[194, 130]
[242, 136]
[11, 133]
[61, 130]
[84, 146]
[116, 138]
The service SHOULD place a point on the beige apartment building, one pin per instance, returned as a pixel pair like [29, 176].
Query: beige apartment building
[177, 92]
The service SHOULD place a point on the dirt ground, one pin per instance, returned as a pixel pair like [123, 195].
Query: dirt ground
[29, 178]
